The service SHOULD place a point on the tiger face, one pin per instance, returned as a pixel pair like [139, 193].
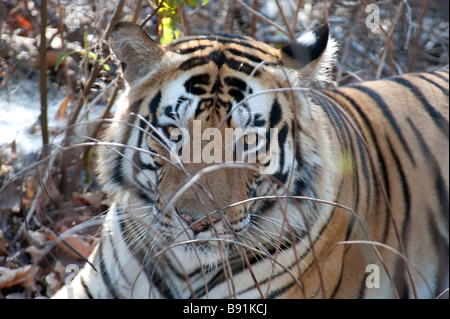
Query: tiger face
[212, 141]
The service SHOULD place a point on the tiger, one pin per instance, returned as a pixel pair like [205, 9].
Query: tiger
[346, 195]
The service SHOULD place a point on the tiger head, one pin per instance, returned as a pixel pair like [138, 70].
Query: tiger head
[217, 132]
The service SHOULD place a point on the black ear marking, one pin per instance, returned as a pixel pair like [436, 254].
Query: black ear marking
[309, 46]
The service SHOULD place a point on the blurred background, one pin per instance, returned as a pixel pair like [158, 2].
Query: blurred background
[58, 84]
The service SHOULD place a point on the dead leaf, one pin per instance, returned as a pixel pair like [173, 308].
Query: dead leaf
[53, 283]
[62, 108]
[33, 251]
[77, 242]
[3, 244]
[93, 199]
[37, 238]
[23, 276]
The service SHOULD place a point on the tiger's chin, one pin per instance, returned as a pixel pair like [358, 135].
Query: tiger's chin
[208, 248]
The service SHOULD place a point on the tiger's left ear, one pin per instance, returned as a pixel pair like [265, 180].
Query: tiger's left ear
[312, 54]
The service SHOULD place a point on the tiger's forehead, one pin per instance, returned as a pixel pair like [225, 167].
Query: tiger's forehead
[207, 77]
[211, 75]
[233, 44]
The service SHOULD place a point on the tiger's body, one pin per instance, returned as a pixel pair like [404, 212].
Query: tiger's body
[359, 169]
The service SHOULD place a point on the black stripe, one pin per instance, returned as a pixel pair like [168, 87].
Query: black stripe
[117, 175]
[196, 84]
[86, 288]
[180, 101]
[153, 106]
[250, 57]
[438, 119]
[275, 114]
[161, 285]
[439, 75]
[355, 106]
[294, 264]
[351, 225]
[440, 245]
[236, 82]
[193, 62]
[274, 294]
[388, 114]
[402, 181]
[443, 89]
[282, 135]
[242, 67]
[238, 88]
[193, 49]
[335, 120]
[217, 57]
[223, 39]
[116, 256]
[378, 154]
[344, 126]
[441, 191]
[104, 273]
[134, 108]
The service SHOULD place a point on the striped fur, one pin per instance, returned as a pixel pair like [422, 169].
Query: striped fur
[359, 170]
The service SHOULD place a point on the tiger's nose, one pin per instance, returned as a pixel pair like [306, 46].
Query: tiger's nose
[199, 224]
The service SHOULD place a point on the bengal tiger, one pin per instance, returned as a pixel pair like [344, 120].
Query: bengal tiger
[350, 201]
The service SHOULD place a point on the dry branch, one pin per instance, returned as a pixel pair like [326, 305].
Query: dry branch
[43, 77]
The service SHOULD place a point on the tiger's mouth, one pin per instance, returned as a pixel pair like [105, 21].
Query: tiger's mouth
[200, 225]
[207, 229]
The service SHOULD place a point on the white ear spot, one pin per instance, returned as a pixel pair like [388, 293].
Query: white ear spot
[307, 39]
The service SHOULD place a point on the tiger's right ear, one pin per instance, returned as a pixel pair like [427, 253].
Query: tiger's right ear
[137, 52]
[312, 54]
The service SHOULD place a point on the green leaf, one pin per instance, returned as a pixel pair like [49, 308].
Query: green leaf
[61, 57]
[170, 16]
[92, 55]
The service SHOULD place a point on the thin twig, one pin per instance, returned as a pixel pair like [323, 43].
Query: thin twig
[261, 17]
[43, 77]
[389, 39]
[150, 16]
[137, 11]
[416, 47]
[63, 47]
[96, 130]
[68, 187]
[286, 23]
[347, 41]
[255, 6]
[297, 10]
[325, 6]
[229, 21]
